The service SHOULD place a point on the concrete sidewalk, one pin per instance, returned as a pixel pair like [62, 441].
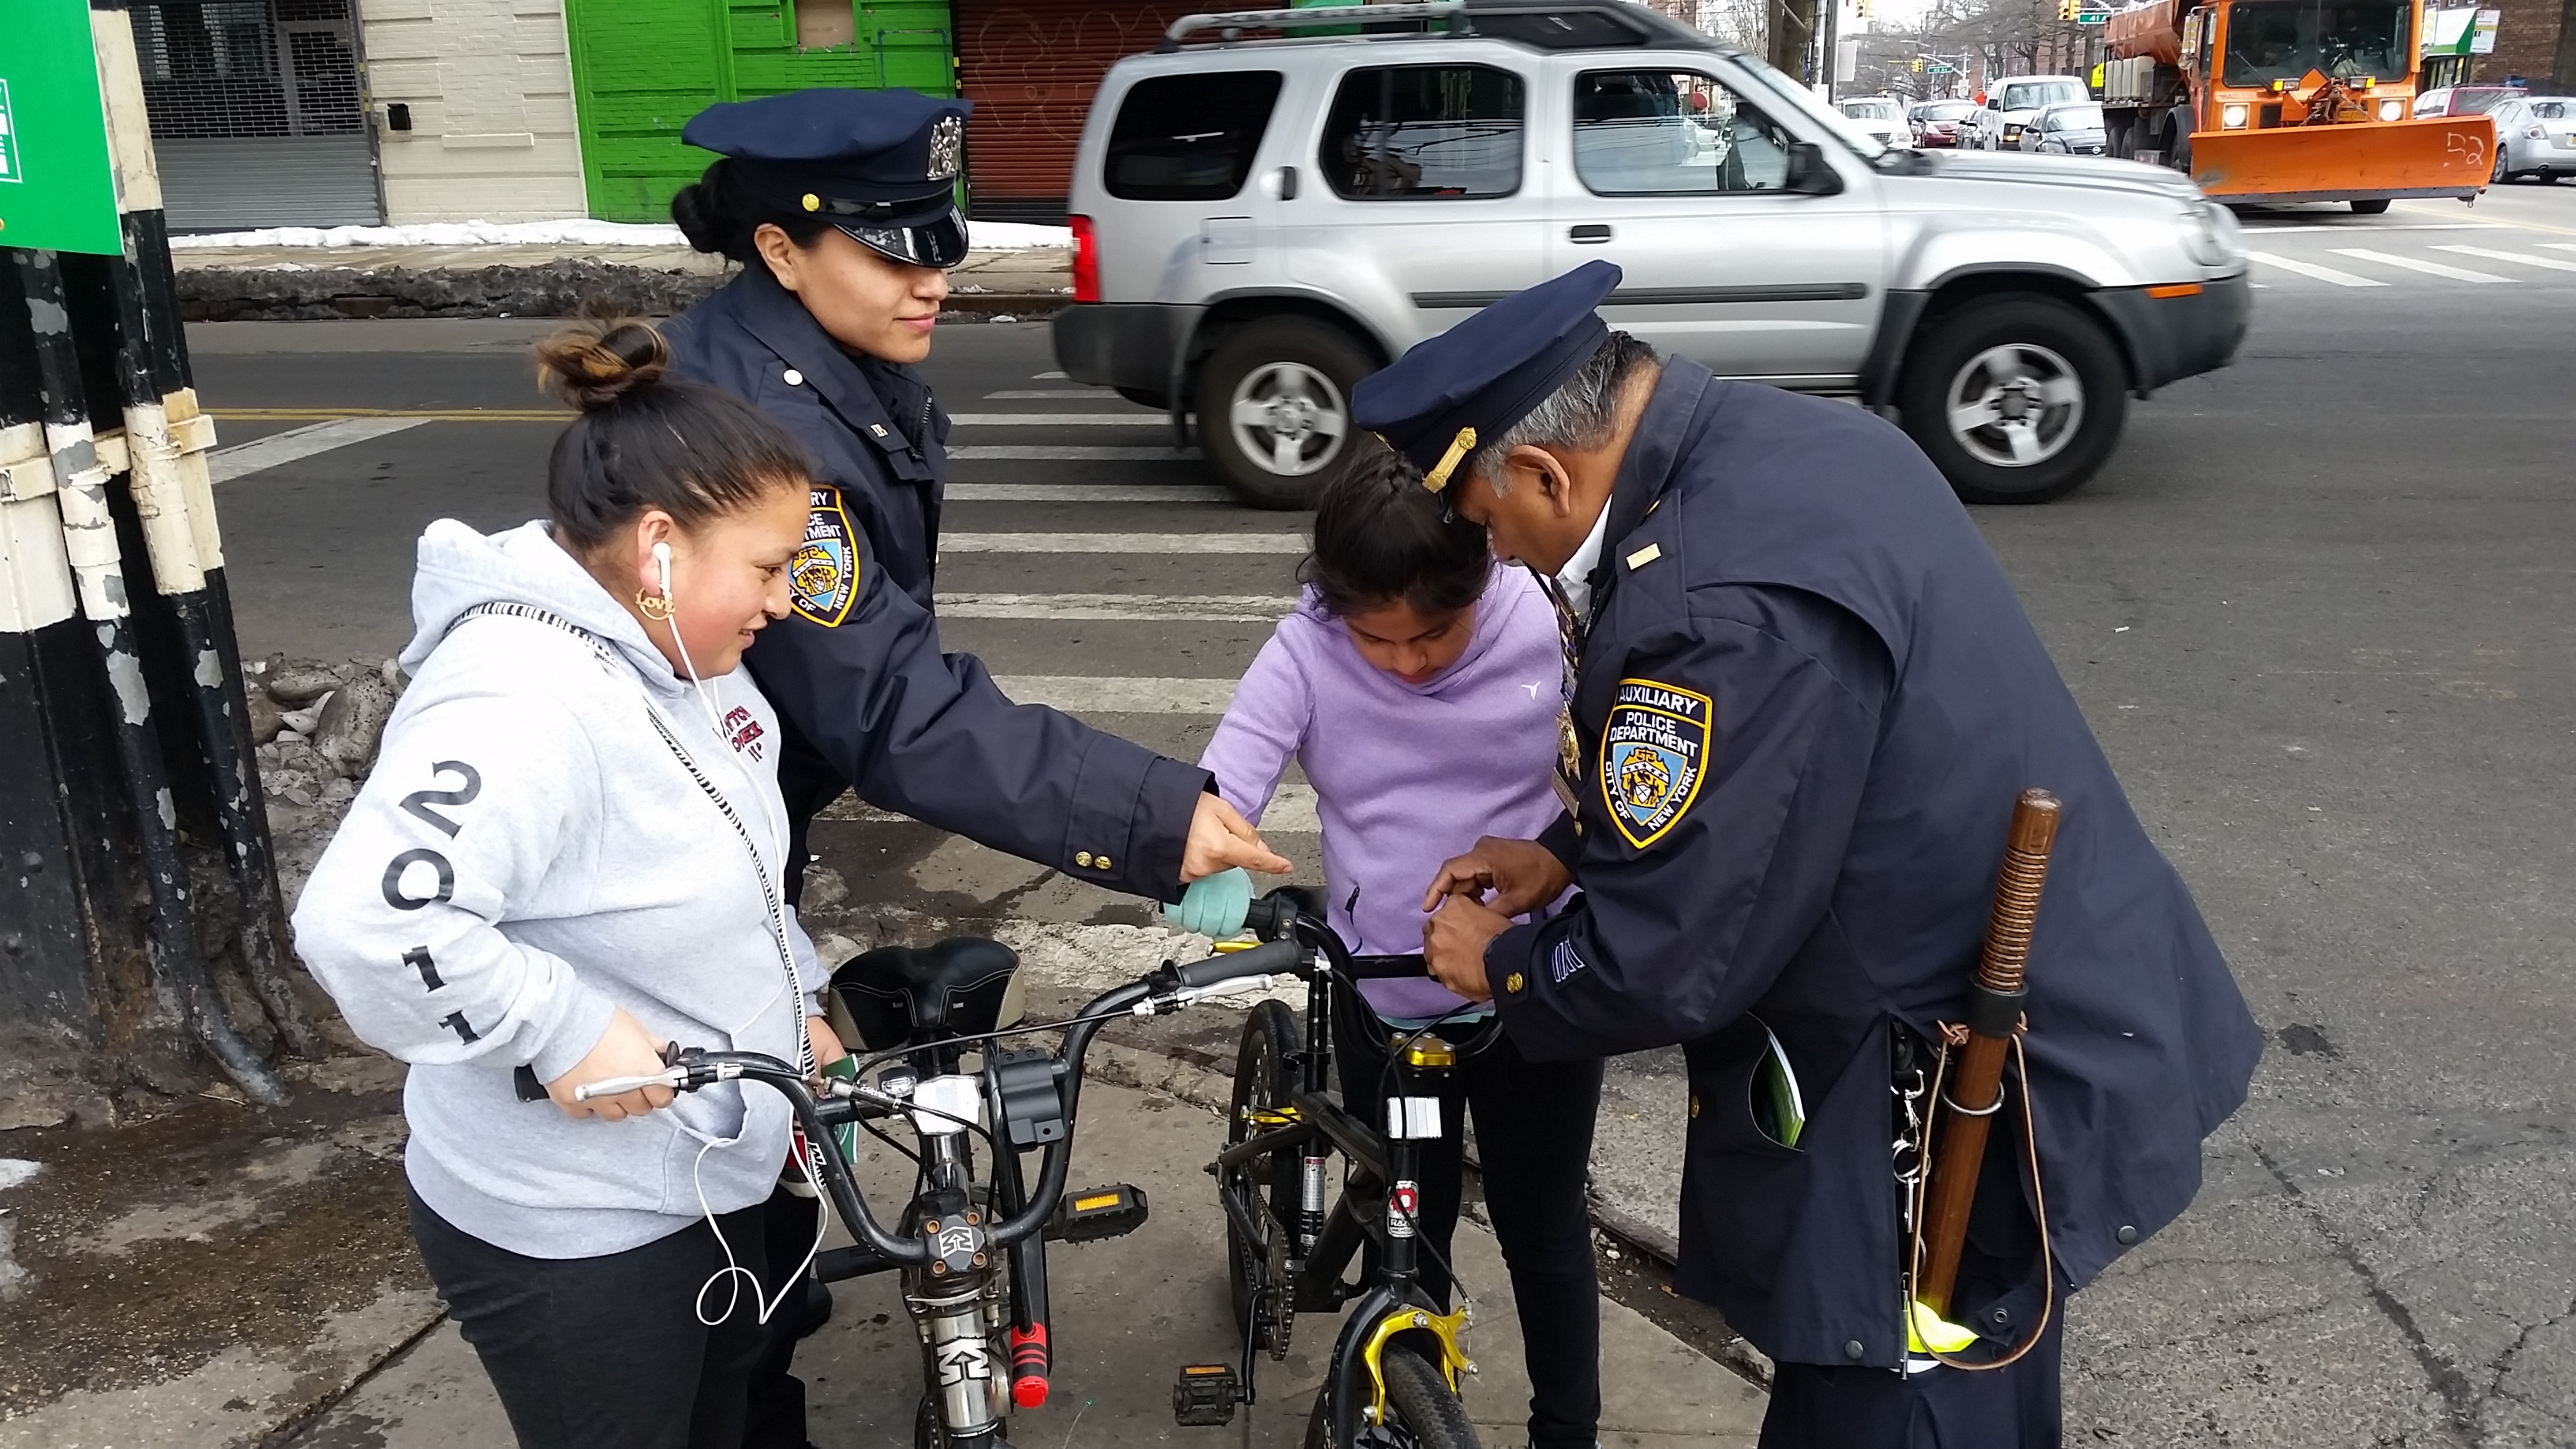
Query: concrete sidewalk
[1128, 1313]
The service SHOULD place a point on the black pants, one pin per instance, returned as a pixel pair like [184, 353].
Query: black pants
[607, 1352]
[1837, 1406]
[1534, 1137]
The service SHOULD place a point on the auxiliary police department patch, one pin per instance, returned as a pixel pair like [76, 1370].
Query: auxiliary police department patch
[1653, 751]
[823, 577]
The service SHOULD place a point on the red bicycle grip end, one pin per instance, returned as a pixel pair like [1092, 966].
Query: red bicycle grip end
[1029, 1360]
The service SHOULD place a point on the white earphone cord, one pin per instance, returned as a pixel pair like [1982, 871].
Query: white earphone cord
[733, 1272]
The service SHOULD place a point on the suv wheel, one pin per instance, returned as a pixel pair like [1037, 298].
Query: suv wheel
[2016, 399]
[1274, 410]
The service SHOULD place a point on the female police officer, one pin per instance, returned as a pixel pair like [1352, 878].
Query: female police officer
[840, 206]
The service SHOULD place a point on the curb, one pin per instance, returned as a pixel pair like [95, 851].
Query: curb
[1196, 1078]
[555, 289]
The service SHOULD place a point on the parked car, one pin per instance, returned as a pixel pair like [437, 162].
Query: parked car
[2072, 129]
[2465, 100]
[1881, 118]
[2535, 138]
[2016, 101]
[1936, 123]
[1261, 222]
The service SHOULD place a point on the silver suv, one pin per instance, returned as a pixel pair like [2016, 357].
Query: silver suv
[1260, 222]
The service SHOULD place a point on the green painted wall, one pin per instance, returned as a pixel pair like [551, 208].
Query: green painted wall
[642, 68]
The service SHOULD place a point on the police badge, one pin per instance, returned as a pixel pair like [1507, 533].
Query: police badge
[947, 139]
[823, 577]
[1653, 750]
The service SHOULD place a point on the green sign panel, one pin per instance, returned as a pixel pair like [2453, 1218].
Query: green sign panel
[2092, 17]
[57, 191]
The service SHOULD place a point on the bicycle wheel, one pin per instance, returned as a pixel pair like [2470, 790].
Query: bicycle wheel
[1263, 1083]
[1421, 1413]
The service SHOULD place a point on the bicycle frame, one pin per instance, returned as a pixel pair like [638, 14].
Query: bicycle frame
[1377, 1204]
[945, 1247]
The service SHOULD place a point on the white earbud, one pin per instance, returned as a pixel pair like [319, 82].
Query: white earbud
[662, 556]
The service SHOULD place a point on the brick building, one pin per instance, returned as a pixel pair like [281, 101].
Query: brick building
[2535, 39]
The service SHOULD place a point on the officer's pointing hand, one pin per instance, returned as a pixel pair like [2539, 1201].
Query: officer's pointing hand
[1221, 839]
[1522, 874]
[1453, 944]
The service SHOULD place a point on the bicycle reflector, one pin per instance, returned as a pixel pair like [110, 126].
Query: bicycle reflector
[1204, 1396]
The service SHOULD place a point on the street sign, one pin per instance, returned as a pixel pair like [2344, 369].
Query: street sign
[1939, 68]
[2092, 17]
[57, 191]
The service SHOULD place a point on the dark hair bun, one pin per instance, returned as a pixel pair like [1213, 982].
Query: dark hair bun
[699, 211]
[599, 363]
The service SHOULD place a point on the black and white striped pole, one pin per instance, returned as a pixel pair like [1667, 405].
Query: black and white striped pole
[105, 790]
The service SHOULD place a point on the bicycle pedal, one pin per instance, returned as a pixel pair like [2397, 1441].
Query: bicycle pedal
[1205, 1395]
[1103, 1212]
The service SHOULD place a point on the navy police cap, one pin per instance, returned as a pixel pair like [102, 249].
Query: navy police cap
[1473, 382]
[880, 165]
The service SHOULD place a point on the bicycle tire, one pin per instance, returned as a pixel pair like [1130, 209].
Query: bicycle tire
[1263, 1080]
[1421, 1412]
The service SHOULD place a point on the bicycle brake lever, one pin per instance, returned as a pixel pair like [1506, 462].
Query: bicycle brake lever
[1183, 996]
[677, 1078]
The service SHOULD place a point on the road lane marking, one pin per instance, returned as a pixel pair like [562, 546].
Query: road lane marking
[1291, 812]
[1153, 608]
[1133, 418]
[1137, 543]
[1051, 394]
[2417, 264]
[426, 415]
[2311, 269]
[2366, 228]
[2560, 246]
[2526, 258]
[1114, 694]
[260, 454]
[1046, 377]
[1086, 493]
[1049, 453]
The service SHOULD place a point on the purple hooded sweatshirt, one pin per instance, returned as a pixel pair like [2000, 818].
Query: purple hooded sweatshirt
[1405, 775]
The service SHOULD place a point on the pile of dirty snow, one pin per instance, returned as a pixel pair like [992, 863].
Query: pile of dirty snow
[569, 232]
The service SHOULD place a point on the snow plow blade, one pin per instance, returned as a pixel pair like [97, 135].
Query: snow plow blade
[2435, 156]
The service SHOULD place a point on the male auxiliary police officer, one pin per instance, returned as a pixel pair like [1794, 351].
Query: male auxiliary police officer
[1806, 701]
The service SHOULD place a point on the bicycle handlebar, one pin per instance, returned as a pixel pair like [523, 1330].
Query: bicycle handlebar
[1164, 990]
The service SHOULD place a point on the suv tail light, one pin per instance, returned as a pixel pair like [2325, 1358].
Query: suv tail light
[1086, 260]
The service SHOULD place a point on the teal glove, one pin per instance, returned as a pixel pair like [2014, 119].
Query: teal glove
[1214, 905]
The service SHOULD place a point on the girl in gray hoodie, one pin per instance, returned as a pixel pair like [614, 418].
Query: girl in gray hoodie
[569, 854]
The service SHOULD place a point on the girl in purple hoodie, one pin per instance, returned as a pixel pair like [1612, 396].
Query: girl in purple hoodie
[1417, 683]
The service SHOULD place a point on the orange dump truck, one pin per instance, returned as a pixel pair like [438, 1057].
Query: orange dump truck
[2286, 100]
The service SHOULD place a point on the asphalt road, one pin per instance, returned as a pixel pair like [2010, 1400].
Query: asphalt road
[2318, 607]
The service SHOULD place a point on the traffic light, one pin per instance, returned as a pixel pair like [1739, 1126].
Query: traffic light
[2066, 9]
[1918, 65]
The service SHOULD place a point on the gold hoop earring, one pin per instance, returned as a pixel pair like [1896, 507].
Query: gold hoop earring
[656, 607]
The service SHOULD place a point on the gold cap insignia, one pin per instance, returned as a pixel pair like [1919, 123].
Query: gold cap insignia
[813, 202]
[1459, 447]
[1513, 983]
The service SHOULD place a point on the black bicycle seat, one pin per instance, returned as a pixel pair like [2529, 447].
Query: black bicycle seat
[898, 995]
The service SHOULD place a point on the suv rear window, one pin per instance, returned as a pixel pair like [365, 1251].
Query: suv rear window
[1424, 132]
[1189, 137]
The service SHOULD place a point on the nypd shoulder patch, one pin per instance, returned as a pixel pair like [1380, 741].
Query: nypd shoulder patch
[1654, 750]
[823, 577]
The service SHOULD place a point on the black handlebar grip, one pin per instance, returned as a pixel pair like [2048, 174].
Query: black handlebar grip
[525, 1082]
[1270, 958]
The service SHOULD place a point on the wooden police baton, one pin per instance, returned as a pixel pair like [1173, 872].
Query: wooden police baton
[1975, 1088]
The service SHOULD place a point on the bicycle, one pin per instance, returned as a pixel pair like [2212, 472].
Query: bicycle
[971, 1254]
[1396, 1364]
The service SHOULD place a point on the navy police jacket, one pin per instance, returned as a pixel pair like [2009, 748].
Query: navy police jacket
[865, 693]
[1807, 701]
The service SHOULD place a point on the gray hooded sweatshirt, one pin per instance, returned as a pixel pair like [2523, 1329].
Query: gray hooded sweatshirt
[531, 853]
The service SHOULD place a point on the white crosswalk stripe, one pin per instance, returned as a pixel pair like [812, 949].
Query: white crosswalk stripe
[1054, 394]
[1086, 493]
[1095, 694]
[1162, 608]
[2560, 246]
[243, 459]
[2417, 264]
[1062, 453]
[1134, 417]
[2311, 269]
[2525, 258]
[1122, 543]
